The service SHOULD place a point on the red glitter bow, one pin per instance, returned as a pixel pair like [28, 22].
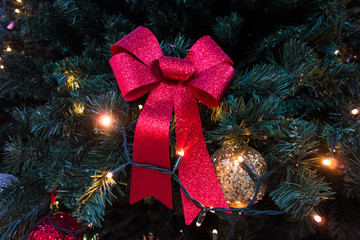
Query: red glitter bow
[205, 73]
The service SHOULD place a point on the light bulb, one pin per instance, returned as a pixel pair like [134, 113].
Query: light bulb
[19, 1]
[109, 175]
[2, 66]
[105, 121]
[240, 159]
[8, 49]
[200, 218]
[181, 153]
[140, 106]
[336, 52]
[354, 111]
[79, 108]
[214, 231]
[331, 163]
[17, 10]
[326, 162]
[317, 218]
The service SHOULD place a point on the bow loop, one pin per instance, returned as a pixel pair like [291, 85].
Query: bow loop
[176, 68]
[205, 53]
[210, 85]
[141, 43]
[213, 71]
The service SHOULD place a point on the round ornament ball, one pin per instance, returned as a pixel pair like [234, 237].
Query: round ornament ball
[46, 229]
[237, 185]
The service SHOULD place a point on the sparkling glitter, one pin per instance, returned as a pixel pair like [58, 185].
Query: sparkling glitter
[46, 231]
[237, 185]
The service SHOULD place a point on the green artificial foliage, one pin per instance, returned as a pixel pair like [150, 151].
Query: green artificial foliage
[297, 80]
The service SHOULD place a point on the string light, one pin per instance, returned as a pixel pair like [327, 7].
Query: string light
[109, 175]
[336, 52]
[105, 121]
[214, 234]
[19, 1]
[79, 108]
[330, 163]
[317, 218]
[178, 161]
[326, 162]
[2, 66]
[71, 82]
[200, 218]
[239, 160]
[181, 153]
[17, 10]
[140, 106]
[8, 49]
[354, 111]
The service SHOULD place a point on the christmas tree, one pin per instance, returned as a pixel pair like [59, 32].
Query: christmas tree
[67, 129]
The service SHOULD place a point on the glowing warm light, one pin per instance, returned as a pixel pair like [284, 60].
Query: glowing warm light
[198, 224]
[19, 1]
[105, 121]
[336, 52]
[330, 163]
[354, 111]
[215, 231]
[109, 175]
[17, 10]
[327, 162]
[8, 49]
[239, 160]
[181, 153]
[2, 66]
[79, 108]
[317, 218]
[72, 82]
[140, 106]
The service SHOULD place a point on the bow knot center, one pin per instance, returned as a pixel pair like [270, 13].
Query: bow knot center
[176, 69]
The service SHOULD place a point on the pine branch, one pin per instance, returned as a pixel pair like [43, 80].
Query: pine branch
[298, 196]
[22, 204]
[227, 28]
[21, 155]
[18, 229]
[91, 204]
[352, 177]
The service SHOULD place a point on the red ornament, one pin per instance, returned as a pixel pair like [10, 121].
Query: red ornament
[47, 231]
[174, 85]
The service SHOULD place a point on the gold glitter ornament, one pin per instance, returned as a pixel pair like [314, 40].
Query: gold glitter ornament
[237, 185]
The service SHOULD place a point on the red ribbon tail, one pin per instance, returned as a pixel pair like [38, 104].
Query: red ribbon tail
[196, 171]
[148, 182]
[151, 146]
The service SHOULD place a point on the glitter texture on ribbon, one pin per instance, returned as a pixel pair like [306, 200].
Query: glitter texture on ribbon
[173, 83]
